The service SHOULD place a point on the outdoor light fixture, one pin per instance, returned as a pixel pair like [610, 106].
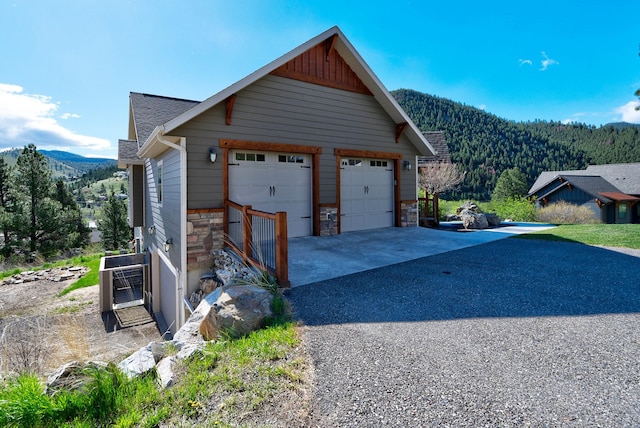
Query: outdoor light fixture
[213, 155]
[167, 244]
[407, 165]
[152, 230]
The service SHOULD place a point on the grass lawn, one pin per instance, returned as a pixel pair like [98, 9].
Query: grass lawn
[609, 235]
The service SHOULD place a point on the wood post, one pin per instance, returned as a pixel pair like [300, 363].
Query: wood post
[247, 235]
[282, 250]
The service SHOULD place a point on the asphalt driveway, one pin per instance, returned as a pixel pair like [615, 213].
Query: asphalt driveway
[508, 333]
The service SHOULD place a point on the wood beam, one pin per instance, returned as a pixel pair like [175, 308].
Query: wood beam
[329, 46]
[231, 101]
[400, 127]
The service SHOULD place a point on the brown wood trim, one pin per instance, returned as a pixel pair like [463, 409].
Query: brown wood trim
[397, 203]
[329, 205]
[269, 147]
[409, 201]
[315, 193]
[205, 210]
[366, 154]
[329, 45]
[231, 101]
[282, 250]
[225, 189]
[323, 65]
[400, 127]
[338, 196]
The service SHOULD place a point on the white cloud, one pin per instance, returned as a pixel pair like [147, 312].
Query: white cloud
[629, 113]
[29, 118]
[522, 62]
[546, 61]
[482, 106]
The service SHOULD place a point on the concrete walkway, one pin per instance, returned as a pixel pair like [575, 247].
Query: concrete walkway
[318, 258]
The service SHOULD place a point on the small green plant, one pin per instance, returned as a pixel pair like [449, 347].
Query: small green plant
[565, 213]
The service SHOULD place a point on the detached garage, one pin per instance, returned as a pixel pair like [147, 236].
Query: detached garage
[313, 134]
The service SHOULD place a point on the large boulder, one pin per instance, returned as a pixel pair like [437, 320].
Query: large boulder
[234, 309]
[473, 220]
[72, 376]
[492, 219]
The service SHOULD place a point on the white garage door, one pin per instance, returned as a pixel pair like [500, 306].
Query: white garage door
[274, 182]
[366, 194]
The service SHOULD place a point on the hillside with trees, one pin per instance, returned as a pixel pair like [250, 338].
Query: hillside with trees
[485, 145]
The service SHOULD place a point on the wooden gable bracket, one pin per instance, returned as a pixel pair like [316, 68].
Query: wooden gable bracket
[329, 44]
[570, 187]
[599, 203]
[400, 127]
[231, 100]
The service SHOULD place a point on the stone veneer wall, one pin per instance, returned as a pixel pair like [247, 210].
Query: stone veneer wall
[408, 213]
[328, 220]
[205, 233]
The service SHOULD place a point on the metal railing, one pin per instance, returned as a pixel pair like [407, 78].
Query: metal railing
[259, 237]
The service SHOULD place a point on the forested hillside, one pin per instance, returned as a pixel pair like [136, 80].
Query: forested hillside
[485, 145]
[64, 165]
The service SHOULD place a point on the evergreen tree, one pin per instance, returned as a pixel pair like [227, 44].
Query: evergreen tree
[511, 184]
[37, 217]
[5, 206]
[112, 222]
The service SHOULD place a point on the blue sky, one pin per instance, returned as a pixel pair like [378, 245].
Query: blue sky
[67, 67]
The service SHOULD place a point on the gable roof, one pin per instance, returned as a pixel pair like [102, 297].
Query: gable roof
[625, 177]
[353, 59]
[150, 111]
[128, 153]
[592, 185]
[439, 143]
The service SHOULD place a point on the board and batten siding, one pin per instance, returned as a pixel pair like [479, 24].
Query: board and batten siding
[165, 217]
[281, 110]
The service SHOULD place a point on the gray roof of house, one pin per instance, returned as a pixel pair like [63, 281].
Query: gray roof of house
[625, 177]
[592, 185]
[439, 143]
[150, 111]
[127, 153]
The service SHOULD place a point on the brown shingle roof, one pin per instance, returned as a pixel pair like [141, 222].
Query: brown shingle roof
[438, 141]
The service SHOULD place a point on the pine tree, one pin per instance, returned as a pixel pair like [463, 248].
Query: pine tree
[511, 184]
[37, 216]
[112, 222]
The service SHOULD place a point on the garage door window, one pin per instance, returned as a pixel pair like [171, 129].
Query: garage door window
[352, 162]
[378, 163]
[250, 157]
[290, 158]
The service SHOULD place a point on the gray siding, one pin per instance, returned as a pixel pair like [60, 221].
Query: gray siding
[136, 196]
[166, 216]
[281, 110]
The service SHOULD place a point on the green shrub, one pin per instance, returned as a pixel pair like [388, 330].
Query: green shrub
[514, 208]
[565, 213]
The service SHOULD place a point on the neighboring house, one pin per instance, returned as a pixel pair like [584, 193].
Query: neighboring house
[612, 191]
[439, 143]
[314, 134]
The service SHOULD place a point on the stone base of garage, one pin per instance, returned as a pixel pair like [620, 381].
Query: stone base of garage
[409, 213]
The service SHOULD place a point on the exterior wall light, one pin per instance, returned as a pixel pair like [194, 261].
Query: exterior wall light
[213, 155]
[151, 230]
[167, 244]
[407, 165]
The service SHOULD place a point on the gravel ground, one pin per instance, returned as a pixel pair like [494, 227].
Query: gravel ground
[510, 333]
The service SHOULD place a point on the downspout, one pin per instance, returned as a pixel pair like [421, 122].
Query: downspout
[182, 281]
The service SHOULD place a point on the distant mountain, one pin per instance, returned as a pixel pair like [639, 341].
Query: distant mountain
[485, 145]
[623, 125]
[64, 165]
